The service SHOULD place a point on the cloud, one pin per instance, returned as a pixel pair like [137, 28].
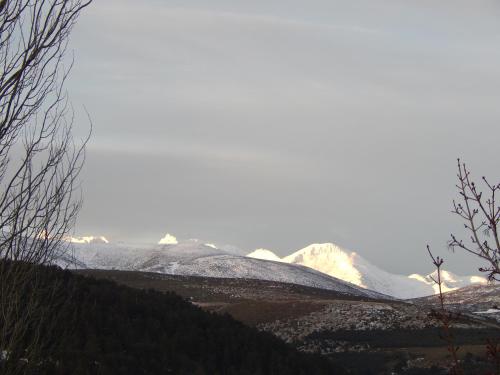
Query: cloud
[277, 124]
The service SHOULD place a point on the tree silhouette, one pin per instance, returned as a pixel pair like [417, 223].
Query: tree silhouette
[39, 164]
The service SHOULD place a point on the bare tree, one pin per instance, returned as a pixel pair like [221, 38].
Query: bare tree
[39, 166]
[481, 214]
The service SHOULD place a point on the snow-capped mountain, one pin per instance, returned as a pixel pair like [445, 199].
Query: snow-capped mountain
[195, 258]
[88, 239]
[318, 265]
[450, 281]
[349, 266]
[265, 255]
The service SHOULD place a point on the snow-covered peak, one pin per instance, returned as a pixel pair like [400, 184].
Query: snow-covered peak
[168, 239]
[449, 281]
[330, 259]
[264, 254]
[327, 258]
[349, 266]
[88, 239]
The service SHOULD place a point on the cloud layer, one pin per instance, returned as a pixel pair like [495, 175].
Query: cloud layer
[278, 124]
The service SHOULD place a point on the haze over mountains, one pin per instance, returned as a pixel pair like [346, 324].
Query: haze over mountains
[324, 266]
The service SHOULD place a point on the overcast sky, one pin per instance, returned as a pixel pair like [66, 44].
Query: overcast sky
[277, 124]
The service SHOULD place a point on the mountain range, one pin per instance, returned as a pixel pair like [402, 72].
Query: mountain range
[351, 267]
[325, 266]
[194, 258]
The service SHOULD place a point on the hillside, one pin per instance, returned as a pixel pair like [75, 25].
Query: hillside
[325, 266]
[195, 258]
[480, 301]
[358, 333]
[104, 328]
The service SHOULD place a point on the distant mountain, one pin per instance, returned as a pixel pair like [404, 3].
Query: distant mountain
[349, 266]
[450, 281]
[195, 258]
[324, 265]
[264, 254]
[88, 239]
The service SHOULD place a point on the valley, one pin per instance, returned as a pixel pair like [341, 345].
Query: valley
[332, 323]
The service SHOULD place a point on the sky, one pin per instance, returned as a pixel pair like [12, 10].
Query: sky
[276, 124]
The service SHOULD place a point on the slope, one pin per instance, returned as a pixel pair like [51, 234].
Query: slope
[349, 266]
[98, 327]
[195, 258]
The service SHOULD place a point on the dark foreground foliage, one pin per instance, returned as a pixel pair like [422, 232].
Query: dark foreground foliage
[392, 351]
[104, 328]
[396, 362]
[401, 338]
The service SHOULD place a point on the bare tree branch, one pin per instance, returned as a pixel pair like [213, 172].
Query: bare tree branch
[445, 318]
[481, 216]
[39, 165]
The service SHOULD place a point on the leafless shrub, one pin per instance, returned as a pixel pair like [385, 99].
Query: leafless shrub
[481, 214]
[445, 318]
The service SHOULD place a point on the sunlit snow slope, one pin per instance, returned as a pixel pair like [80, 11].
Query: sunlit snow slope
[319, 265]
[349, 266]
[195, 258]
[264, 254]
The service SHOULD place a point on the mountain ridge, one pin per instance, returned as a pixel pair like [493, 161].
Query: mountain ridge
[348, 265]
[195, 258]
[323, 265]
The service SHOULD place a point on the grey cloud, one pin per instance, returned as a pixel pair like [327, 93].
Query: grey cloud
[276, 124]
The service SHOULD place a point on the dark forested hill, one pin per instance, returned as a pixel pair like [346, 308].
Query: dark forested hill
[104, 328]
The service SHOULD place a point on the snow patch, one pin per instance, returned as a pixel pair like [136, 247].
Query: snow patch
[478, 280]
[489, 311]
